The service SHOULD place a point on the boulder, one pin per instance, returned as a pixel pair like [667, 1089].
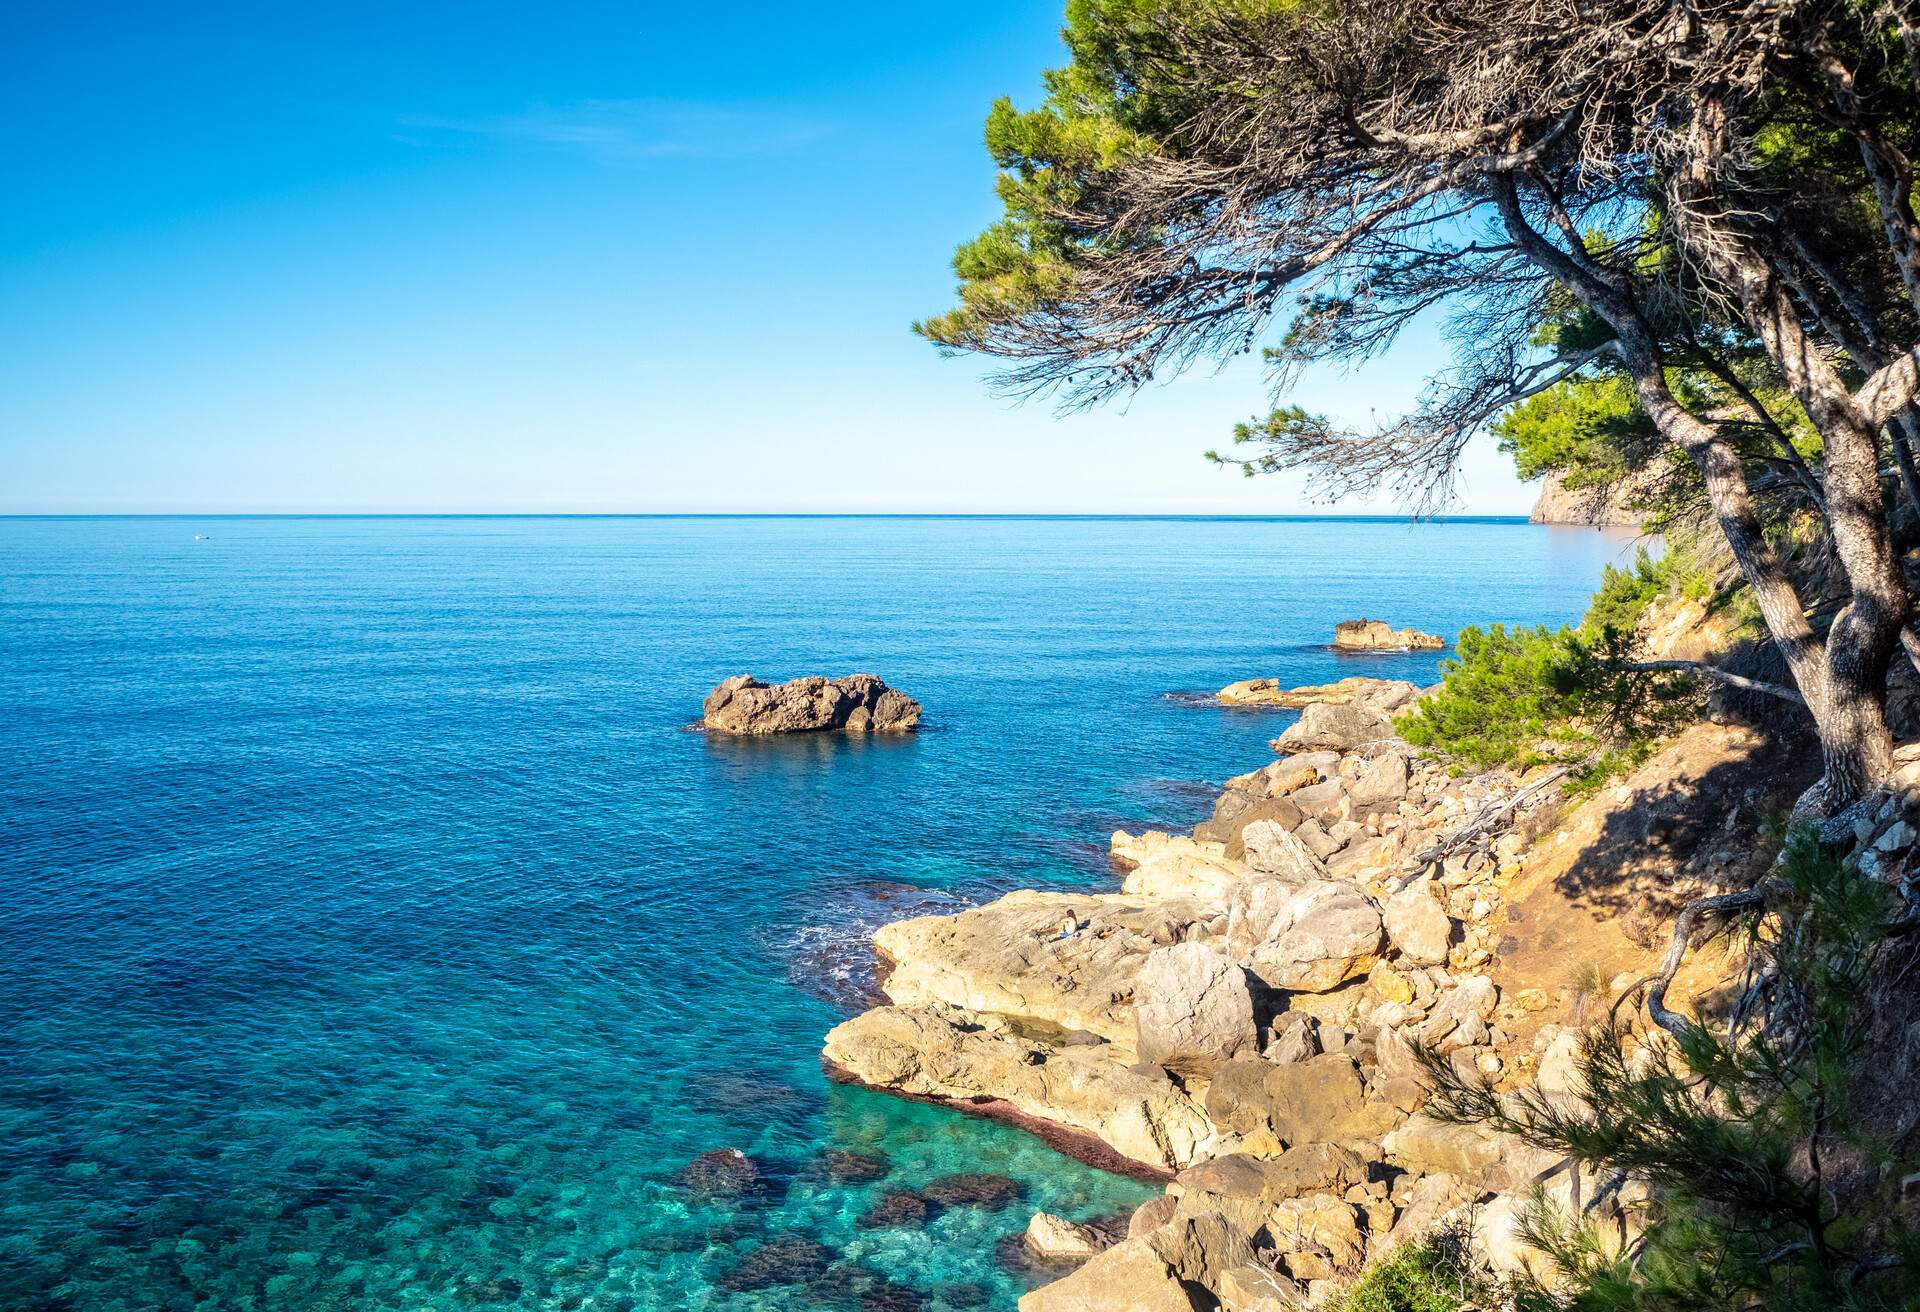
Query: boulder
[1257, 1287]
[1319, 1100]
[1459, 1018]
[1057, 1239]
[1192, 1009]
[952, 1053]
[1167, 1269]
[859, 703]
[1306, 937]
[1417, 925]
[1334, 728]
[1377, 635]
[1017, 956]
[1279, 811]
[1314, 1168]
[1326, 802]
[1467, 1152]
[1271, 849]
[1382, 786]
[1295, 1038]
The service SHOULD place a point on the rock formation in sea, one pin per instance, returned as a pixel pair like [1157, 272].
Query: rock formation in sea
[1240, 1018]
[1378, 635]
[858, 703]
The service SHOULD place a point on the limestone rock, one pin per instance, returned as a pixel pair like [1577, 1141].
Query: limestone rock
[1129, 1275]
[1192, 1009]
[1459, 1018]
[1271, 849]
[949, 1052]
[1377, 635]
[1382, 786]
[1163, 1270]
[859, 703]
[1279, 811]
[1334, 728]
[1417, 924]
[1307, 937]
[1295, 1038]
[1257, 1287]
[1468, 1152]
[1381, 694]
[1312, 1168]
[1319, 1100]
[1059, 1240]
[1012, 956]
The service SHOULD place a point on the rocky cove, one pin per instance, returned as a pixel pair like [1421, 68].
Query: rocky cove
[1237, 1020]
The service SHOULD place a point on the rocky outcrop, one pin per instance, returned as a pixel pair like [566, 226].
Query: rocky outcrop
[1381, 694]
[1378, 635]
[979, 1058]
[1615, 506]
[1245, 1012]
[859, 703]
[1192, 1009]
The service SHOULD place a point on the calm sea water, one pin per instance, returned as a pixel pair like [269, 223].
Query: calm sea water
[375, 934]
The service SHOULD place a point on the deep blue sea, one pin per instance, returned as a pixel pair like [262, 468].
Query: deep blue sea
[375, 934]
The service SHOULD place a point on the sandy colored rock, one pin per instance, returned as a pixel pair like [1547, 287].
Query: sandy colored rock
[1319, 1100]
[859, 703]
[1011, 956]
[1313, 1168]
[1382, 786]
[1378, 635]
[948, 1052]
[1382, 694]
[1417, 925]
[1324, 727]
[1129, 1275]
[1192, 1009]
[1271, 849]
[1308, 937]
[1059, 1240]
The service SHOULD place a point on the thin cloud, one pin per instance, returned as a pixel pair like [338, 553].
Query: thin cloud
[632, 131]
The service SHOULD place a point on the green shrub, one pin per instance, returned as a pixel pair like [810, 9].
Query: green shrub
[1433, 1275]
[1502, 692]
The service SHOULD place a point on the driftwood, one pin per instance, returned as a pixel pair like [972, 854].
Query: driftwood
[1478, 832]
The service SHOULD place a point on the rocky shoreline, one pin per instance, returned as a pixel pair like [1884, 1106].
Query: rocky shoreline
[1238, 1018]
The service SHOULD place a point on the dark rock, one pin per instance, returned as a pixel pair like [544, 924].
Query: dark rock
[973, 1190]
[784, 1259]
[897, 1209]
[965, 1295]
[722, 1173]
[843, 1166]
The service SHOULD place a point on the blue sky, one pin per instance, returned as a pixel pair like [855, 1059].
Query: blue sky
[567, 257]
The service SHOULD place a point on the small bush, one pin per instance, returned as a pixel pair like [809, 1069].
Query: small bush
[1503, 692]
[1433, 1275]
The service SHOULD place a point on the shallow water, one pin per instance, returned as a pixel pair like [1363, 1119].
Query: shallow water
[377, 935]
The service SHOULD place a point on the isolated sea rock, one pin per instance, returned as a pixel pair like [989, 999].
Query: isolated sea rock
[859, 703]
[1377, 635]
[1193, 1009]
[980, 1058]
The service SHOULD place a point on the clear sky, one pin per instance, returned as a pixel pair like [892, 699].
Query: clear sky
[574, 257]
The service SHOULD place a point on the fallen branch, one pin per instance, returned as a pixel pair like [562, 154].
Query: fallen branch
[1727, 677]
[1481, 824]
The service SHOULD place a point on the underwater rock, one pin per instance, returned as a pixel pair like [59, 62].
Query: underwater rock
[843, 1166]
[973, 1189]
[898, 1209]
[859, 703]
[721, 1173]
[784, 1259]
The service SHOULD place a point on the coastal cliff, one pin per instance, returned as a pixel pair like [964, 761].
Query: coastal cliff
[1239, 1018]
[1606, 507]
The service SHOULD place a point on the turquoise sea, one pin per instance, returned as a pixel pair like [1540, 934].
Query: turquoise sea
[376, 934]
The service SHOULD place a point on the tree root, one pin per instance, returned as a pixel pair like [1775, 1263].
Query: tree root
[1719, 905]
